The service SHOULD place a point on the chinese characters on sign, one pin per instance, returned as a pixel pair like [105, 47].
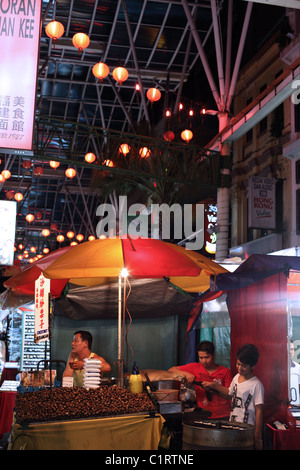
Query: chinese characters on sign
[41, 300]
[20, 22]
[261, 213]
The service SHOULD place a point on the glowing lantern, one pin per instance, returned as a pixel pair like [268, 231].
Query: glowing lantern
[124, 148]
[10, 194]
[120, 74]
[20, 257]
[26, 255]
[108, 163]
[6, 174]
[70, 234]
[100, 71]
[80, 237]
[38, 171]
[54, 30]
[91, 238]
[70, 173]
[90, 157]
[169, 135]
[2, 179]
[20, 246]
[26, 164]
[73, 243]
[81, 41]
[45, 232]
[144, 152]
[18, 197]
[29, 218]
[60, 238]
[53, 226]
[30, 260]
[153, 94]
[186, 135]
[46, 250]
[54, 164]
[33, 249]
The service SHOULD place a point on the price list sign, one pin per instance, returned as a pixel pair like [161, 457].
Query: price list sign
[20, 24]
[41, 300]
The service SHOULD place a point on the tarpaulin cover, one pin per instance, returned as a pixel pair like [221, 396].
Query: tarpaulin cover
[146, 298]
[258, 315]
[254, 269]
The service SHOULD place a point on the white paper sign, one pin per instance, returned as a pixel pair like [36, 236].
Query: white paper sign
[262, 203]
[41, 301]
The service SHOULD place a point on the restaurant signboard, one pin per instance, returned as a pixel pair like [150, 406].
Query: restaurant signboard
[262, 203]
[20, 24]
[41, 301]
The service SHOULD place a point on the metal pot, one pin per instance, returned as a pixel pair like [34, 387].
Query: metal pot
[166, 384]
[217, 434]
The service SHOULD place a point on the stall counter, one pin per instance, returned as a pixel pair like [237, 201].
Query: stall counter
[138, 432]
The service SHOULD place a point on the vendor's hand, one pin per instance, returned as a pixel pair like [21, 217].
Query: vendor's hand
[76, 365]
[208, 385]
[189, 377]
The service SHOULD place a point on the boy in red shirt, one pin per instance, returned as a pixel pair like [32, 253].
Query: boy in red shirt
[207, 371]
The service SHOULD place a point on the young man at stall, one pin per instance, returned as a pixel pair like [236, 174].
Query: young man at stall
[246, 391]
[81, 350]
[206, 370]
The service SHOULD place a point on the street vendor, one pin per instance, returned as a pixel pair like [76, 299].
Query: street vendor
[81, 350]
[206, 370]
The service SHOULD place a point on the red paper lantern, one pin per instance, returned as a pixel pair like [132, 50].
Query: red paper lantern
[10, 194]
[100, 71]
[60, 238]
[29, 218]
[70, 173]
[45, 232]
[186, 135]
[153, 94]
[18, 197]
[54, 164]
[26, 164]
[169, 135]
[90, 157]
[81, 41]
[38, 171]
[144, 152]
[120, 74]
[54, 30]
[6, 174]
[124, 148]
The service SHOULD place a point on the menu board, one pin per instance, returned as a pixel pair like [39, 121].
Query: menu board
[32, 352]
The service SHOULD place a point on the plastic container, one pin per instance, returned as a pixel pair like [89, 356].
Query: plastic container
[135, 380]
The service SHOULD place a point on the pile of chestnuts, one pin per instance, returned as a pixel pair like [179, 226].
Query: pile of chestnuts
[64, 403]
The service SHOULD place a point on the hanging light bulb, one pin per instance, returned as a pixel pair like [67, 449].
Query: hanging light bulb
[54, 30]
[70, 173]
[91, 238]
[54, 164]
[153, 94]
[186, 135]
[100, 71]
[46, 250]
[73, 243]
[33, 249]
[120, 74]
[60, 238]
[90, 157]
[79, 237]
[70, 234]
[81, 41]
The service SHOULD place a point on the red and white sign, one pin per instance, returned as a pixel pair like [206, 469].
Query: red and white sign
[41, 300]
[262, 203]
[20, 24]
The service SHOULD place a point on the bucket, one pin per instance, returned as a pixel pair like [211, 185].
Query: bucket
[217, 435]
[166, 395]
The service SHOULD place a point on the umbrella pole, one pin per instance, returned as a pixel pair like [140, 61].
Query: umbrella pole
[120, 359]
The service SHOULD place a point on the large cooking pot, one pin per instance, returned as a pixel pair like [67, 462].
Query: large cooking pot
[166, 384]
[218, 435]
